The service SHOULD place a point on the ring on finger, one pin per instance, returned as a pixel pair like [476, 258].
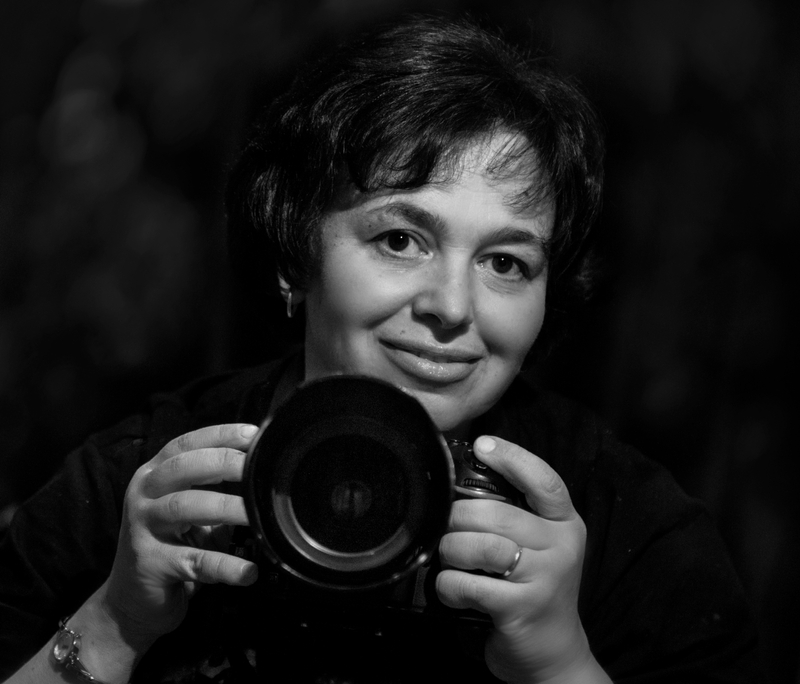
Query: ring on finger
[513, 565]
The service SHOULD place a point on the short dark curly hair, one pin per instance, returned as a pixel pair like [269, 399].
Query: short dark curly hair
[392, 109]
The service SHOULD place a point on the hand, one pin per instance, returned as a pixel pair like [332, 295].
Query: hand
[172, 535]
[537, 633]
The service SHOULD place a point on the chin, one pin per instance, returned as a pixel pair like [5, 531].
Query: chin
[448, 419]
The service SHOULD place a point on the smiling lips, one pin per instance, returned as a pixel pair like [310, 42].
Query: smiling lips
[432, 364]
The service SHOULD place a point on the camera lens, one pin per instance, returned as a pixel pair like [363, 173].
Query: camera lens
[350, 484]
[348, 495]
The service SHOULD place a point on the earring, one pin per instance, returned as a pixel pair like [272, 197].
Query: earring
[289, 308]
[286, 293]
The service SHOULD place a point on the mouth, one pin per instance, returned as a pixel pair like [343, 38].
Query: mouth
[438, 365]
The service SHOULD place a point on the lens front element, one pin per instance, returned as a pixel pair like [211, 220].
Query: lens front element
[350, 484]
[349, 495]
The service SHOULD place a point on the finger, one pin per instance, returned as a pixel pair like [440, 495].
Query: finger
[213, 537]
[495, 517]
[196, 507]
[232, 435]
[213, 567]
[459, 589]
[478, 551]
[192, 468]
[544, 490]
[456, 589]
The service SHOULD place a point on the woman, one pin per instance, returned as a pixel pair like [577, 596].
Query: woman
[423, 196]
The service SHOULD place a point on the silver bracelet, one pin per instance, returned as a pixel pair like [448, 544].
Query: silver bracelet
[66, 649]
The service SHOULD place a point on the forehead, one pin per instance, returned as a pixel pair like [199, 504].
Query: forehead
[503, 161]
[509, 164]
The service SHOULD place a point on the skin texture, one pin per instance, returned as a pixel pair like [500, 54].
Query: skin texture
[538, 635]
[169, 545]
[441, 291]
[172, 537]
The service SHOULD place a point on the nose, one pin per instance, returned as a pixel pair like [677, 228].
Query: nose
[445, 295]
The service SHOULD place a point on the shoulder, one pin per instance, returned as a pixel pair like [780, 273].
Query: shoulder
[598, 467]
[107, 459]
[240, 395]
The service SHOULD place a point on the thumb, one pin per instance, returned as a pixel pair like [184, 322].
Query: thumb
[544, 490]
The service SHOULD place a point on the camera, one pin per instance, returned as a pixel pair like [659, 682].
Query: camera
[348, 489]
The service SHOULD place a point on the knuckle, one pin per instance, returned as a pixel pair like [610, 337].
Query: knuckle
[139, 480]
[461, 588]
[474, 593]
[132, 495]
[214, 459]
[459, 514]
[223, 506]
[229, 433]
[191, 564]
[502, 516]
[136, 513]
[183, 442]
[231, 460]
[229, 508]
[216, 434]
[175, 507]
[551, 482]
[175, 465]
[201, 566]
[141, 472]
[494, 549]
[214, 568]
[138, 508]
[135, 502]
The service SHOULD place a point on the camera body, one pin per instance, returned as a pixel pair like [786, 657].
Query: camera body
[348, 490]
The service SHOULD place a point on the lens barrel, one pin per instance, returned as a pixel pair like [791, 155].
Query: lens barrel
[350, 485]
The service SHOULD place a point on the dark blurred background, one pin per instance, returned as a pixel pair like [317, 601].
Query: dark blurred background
[119, 118]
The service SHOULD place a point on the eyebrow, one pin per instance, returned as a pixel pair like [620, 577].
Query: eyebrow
[504, 235]
[517, 236]
[414, 215]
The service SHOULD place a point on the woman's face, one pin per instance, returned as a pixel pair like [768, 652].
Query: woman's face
[439, 290]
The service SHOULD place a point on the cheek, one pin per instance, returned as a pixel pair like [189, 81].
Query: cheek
[355, 295]
[509, 328]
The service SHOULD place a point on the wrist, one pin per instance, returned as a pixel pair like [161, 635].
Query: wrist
[574, 664]
[107, 652]
[583, 669]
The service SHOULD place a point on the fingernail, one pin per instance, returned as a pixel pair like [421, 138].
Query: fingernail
[249, 574]
[485, 444]
[248, 431]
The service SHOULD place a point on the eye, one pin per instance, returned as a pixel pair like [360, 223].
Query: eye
[508, 267]
[399, 243]
[502, 264]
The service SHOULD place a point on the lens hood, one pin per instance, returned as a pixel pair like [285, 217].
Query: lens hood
[349, 485]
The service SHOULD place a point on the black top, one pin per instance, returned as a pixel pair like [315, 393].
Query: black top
[659, 600]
